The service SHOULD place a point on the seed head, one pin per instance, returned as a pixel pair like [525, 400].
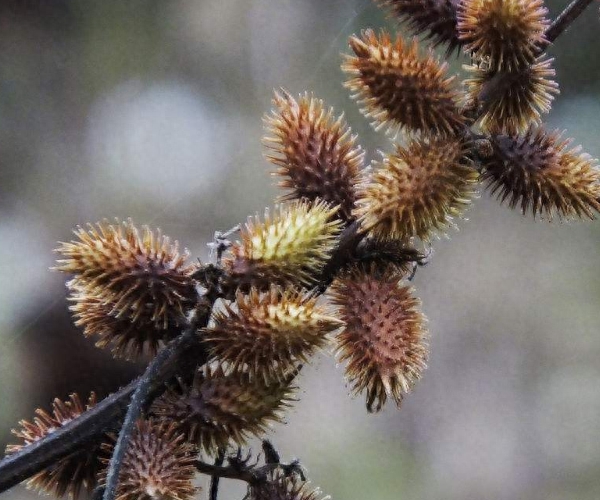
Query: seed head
[269, 334]
[137, 276]
[68, 475]
[158, 463]
[278, 486]
[435, 18]
[399, 89]
[385, 340]
[505, 33]
[540, 173]
[417, 191]
[518, 101]
[128, 337]
[218, 409]
[316, 154]
[290, 247]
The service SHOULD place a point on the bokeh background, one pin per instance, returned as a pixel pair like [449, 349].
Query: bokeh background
[152, 110]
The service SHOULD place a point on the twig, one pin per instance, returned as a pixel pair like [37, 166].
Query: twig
[565, 18]
[214, 480]
[140, 399]
[342, 254]
[59, 443]
[226, 472]
[250, 475]
[239, 469]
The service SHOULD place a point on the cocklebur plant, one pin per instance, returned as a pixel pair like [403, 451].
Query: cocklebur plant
[328, 269]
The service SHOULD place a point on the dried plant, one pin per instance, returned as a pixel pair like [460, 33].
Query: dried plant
[131, 271]
[282, 487]
[227, 338]
[538, 171]
[436, 19]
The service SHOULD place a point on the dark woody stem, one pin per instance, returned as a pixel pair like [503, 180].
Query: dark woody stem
[214, 480]
[224, 472]
[250, 475]
[59, 443]
[240, 469]
[143, 396]
[95, 422]
[566, 17]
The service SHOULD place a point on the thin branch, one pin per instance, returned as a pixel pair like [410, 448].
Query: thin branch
[59, 443]
[226, 472]
[240, 469]
[565, 18]
[141, 397]
[250, 475]
[342, 254]
[214, 480]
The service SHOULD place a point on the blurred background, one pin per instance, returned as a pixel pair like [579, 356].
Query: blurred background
[152, 110]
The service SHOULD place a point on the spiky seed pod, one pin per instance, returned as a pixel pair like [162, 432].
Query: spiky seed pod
[540, 173]
[68, 475]
[268, 334]
[218, 409]
[316, 153]
[518, 101]
[385, 340]
[125, 337]
[278, 486]
[417, 191]
[505, 33]
[136, 275]
[290, 247]
[434, 18]
[158, 463]
[398, 89]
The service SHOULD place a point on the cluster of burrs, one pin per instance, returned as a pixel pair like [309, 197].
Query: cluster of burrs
[329, 267]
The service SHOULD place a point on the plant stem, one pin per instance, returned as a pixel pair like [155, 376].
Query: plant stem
[224, 472]
[59, 443]
[214, 480]
[141, 397]
[566, 17]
